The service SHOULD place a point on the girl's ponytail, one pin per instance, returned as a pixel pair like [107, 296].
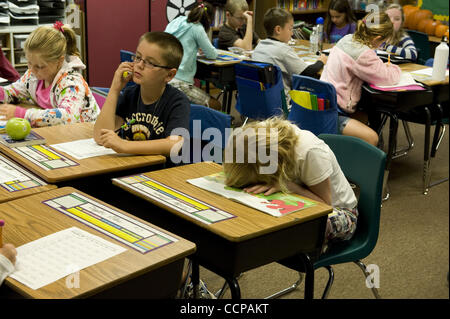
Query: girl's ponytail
[71, 40]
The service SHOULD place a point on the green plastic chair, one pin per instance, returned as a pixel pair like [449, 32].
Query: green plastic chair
[422, 44]
[363, 165]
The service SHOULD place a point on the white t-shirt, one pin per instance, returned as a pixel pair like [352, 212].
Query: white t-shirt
[317, 163]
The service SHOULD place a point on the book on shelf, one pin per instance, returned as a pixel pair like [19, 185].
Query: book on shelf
[277, 204]
[32, 139]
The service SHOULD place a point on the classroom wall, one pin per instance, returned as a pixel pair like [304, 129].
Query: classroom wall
[112, 25]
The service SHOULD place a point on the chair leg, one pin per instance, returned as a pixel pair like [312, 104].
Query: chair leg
[409, 138]
[329, 283]
[366, 274]
[385, 194]
[288, 289]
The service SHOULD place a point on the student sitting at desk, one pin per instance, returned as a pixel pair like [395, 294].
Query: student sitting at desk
[7, 260]
[353, 61]
[237, 31]
[305, 166]
[278, 24]
[401, 43]
[191, 31]
[339, 22]
[145, 114]
[53, 81]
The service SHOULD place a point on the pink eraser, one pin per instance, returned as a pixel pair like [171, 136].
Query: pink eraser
[2, 222]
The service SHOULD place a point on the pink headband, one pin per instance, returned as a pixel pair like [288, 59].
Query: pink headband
[58, 25]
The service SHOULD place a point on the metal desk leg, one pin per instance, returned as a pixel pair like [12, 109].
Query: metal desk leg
[234, 288]
[393, 128]
[309, 276]
[426, 152]
[196, 277]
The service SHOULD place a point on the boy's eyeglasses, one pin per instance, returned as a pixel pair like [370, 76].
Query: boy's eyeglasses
[148, 64]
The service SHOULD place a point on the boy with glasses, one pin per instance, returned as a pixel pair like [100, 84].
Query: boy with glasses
[237, 30]
[141, 118]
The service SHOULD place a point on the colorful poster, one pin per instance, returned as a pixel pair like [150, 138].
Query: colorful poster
[278, 204]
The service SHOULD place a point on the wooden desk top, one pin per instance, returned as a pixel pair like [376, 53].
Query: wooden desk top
[409, 67]
[249, 223]
[24, 224]
[87, 167]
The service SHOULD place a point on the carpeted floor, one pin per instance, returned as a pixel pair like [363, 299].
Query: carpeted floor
[412, 252]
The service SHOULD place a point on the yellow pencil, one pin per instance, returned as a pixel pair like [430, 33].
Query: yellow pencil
[389, 59]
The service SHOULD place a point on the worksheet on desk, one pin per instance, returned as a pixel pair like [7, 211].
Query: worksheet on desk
[58, 255]
[81, 149]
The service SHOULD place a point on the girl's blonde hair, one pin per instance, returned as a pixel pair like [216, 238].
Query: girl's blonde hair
[248, 172]
[397, 35]
[232, 6]
[52, 43]
[373, 25]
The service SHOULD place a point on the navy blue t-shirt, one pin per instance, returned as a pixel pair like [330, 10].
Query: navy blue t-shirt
[153, 121]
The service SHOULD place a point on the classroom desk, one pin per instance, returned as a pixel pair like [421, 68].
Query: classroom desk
[397, 104]
[89, 167]
[15, 189]
[232, 246]
[131, 274]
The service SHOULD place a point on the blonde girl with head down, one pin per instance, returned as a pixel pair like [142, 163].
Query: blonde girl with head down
[353, 61]
[305, 165]
[53, 81]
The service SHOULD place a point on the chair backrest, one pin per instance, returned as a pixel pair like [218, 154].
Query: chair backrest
[215, 42]
[99, 98]
[208, 134]
[126, 56]
[260, 90]
[422, 44]
[316, 121]
[363, 164]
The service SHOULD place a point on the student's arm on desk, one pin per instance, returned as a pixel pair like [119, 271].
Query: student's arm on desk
[107, 119]
[161, 146]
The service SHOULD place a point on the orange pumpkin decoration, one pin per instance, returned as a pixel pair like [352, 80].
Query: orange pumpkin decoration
[423, 24]
[431, 27]
[446, 35]
[440, 30]
[408, 10]
[417, 16]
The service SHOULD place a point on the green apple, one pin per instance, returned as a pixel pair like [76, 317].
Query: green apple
[17, 128]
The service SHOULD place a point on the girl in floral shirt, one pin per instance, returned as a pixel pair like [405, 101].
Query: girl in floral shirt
[53, 82]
